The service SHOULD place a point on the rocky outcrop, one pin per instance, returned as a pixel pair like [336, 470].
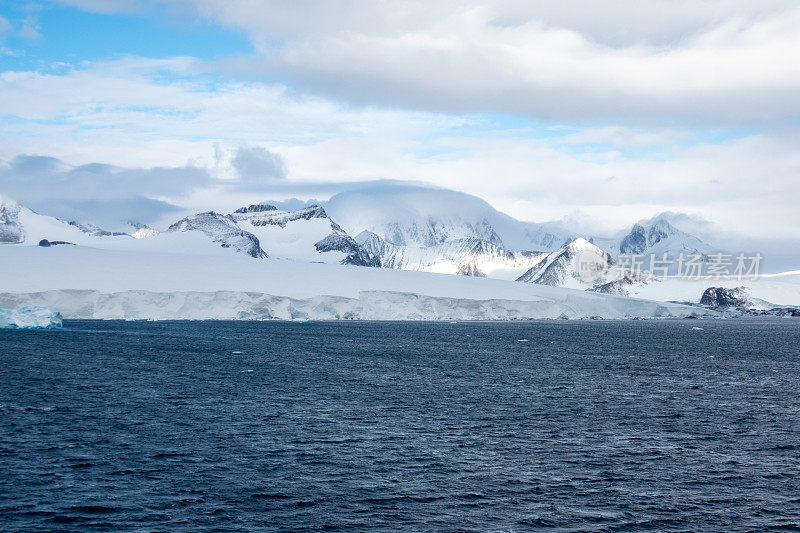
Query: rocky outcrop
[356, 254]
[45, 243]
[256, 208]
[722, 297]
[271, 217]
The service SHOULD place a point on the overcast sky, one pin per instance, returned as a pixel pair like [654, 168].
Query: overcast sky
[610, 110]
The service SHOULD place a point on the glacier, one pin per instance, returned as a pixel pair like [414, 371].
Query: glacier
[82, 282]
[29, 317]
[369, 305]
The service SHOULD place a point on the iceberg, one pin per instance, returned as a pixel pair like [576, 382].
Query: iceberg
[29, 318]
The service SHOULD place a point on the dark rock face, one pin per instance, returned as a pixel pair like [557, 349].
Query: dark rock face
[281, 220]
[256, 208]
[95, 231]
[722, 297]
[45, 243]
[635, 242]
[356, 254]
[641, 238]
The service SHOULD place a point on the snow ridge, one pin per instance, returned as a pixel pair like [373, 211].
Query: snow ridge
[223, 230]
[310, 228]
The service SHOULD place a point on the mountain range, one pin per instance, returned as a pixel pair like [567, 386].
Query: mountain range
[401, 227]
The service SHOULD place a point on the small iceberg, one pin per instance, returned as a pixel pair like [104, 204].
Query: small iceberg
[29, 318]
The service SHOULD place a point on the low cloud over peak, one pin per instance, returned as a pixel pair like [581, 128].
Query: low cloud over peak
[97, 192]
[256, 164]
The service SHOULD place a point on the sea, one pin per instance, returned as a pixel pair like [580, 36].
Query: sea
[676, 425]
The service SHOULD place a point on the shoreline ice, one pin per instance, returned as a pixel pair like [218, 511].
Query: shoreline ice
[369, 305]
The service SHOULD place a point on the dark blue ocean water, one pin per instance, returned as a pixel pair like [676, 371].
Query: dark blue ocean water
[599, 426]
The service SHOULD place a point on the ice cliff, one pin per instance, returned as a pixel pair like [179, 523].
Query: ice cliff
[369, 305]
[29, 318]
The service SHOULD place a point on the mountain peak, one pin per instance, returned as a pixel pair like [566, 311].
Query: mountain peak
[256, 208]
[659, 236]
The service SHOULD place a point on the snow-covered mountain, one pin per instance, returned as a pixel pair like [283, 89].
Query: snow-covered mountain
[307, 234]
[258, 231]
[657, 236]
[221, 229]
[405, 232]
[419, 228]
[578, 265]
[22, 226]
[424, 217]
[411, 227]
[468, 257]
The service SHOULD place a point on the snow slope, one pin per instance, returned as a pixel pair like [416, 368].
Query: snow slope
[304, 235]
[776, 289]
[21, 226]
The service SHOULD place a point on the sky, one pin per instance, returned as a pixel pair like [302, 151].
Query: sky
[599, 112]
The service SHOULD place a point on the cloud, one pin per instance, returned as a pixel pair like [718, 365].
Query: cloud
[256, 164]
[95, 192]
[715, 62]
[5, 27]
[30, 28]
[106, 6]
[161, 118]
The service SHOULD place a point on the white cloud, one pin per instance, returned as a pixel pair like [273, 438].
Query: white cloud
[5, 27]
[106, 6]
[30, 28]
[257, 164]
[96, 192]
[718, 62]
[159, 117]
